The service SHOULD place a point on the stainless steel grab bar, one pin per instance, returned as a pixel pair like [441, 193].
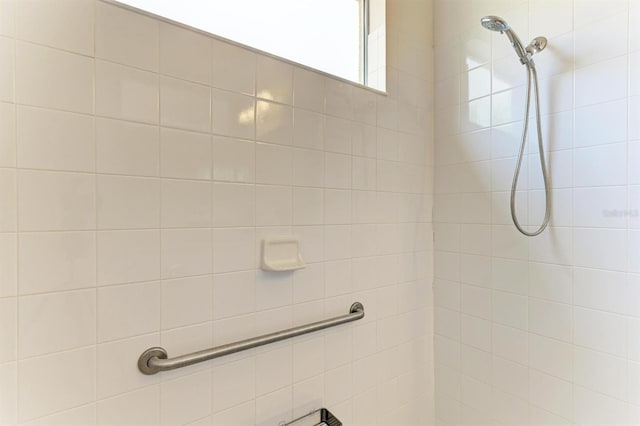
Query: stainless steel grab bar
[154, 360]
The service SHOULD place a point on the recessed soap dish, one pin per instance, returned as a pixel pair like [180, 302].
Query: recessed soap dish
[281, 254]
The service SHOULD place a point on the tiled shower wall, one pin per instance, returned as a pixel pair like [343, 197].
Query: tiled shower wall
[142, 163]
[544, 330]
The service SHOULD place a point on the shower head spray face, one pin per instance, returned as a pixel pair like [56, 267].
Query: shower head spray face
[494, 23]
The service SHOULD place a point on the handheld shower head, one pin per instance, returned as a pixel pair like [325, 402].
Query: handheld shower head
[495, 23]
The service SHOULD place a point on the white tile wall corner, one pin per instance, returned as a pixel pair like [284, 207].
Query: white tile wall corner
[141, 163]
[552, 330]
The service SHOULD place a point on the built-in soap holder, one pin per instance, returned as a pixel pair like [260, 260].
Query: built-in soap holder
[321, 417]
[281, 254]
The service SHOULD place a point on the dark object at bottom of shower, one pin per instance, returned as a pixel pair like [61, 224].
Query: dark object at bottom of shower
[321, 417]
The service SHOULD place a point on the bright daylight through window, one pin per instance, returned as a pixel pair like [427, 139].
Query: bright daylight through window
[345, 38]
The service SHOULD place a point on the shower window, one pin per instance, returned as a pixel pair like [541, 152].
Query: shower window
[345, 38]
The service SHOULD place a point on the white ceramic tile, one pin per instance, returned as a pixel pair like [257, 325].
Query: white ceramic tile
[274, 123]
[56, 201]
[194, 63]
[55, 322]
[138, 406]
[53, 78]
[234, 68]
[273, 164]
[551, 393]
[308, 90]
[507, 275]
[308, 396]
[128, 202]
[128, 310]
[551, 17]
[337, 171]
[233, 384]
[185, 154]
[600, 372]
[600, 331]
[185, 399]
[7, 135]
[128, 256]
[634, 73]
[506, 107]
[600, 248]
[274, 80]
[185, 105]
[186, 252]
[8, 195]
[337, 242]
[66, 260]
[9, 392]
[597, 207]
[475, 301]
[604, 290]
[603, 41]
[8, 329]
[307, 206]
[56, 382]
[363, 140]
[551, 356]
[634, 33]
[510, 377]
[337, 135]
[233, 160]
[67, 25]
[185, 204]
[550, 319]
[186, 301]
[308, 129]
[239, 415]
[550, 282]
[79, 416]
[610, 170]
[600, 124]
[55, 140]
[232, 114]
[7, 26]
[126, 93]
[273, 370]
[601, 82]
[364, 103]
[273, 205]
[592, 408]
[8, 265]
[126, 148]
[634, 126]
[589, 11]
[475, 332]
[7, 75]
[273, 291]
[476, 83]
[338, 98]
[337, 206]
[125, 37]
[476, 114]
[308, 167]
[274, 407]
[234, 294]
[233, 249]
[233, 205]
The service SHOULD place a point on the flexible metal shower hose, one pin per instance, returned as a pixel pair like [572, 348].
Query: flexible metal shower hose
[532, 74]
